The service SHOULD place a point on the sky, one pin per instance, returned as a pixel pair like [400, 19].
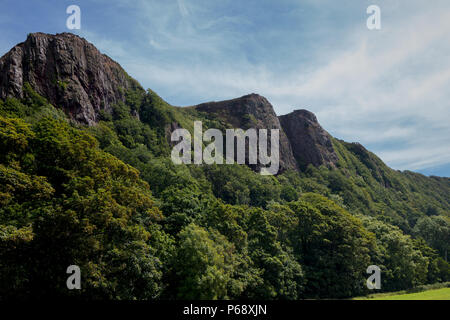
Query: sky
[388, 89]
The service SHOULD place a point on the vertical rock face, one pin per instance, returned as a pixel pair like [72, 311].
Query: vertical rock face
[66, 69]
[310, 143]
[302, 140]
[252, 111]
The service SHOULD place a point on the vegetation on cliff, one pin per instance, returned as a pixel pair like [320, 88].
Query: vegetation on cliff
[109, 199]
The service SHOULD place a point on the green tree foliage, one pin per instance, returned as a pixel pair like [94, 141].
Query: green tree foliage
[436, 231]
[74, 204]
[332, 245]
[402, 262]
[203, 264]
[282, 275]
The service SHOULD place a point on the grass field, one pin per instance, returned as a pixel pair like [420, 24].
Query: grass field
[436, 294]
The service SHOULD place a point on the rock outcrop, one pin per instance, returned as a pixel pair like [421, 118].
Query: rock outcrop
[310, 143]
[252, 111]
[67, 70]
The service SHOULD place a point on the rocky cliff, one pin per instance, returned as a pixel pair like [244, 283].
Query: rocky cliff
[302, 139]
[252, 111]
[310, 143]
[67, 70]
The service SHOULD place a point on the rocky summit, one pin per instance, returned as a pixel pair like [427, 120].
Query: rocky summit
[310, 143]
[67, 70]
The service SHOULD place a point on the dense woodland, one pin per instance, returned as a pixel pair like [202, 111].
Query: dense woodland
[109, 199]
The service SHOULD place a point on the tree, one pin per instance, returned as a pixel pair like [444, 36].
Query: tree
[282, 275]
[402, 264]
[204, 264]
[436, 232]
[332, 245]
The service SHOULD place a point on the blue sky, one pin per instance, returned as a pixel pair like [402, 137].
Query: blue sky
[387, 89]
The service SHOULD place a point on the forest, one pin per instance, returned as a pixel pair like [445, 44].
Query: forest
[109, 199]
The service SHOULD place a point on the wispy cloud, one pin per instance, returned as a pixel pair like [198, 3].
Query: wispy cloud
[183, 9]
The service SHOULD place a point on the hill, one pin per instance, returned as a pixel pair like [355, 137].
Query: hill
[87, 179]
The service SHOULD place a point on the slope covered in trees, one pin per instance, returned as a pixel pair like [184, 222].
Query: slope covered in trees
[109, 199]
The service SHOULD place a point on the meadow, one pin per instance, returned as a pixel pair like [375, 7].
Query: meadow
[433, 294]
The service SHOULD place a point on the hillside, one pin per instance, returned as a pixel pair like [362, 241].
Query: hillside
[87, 179]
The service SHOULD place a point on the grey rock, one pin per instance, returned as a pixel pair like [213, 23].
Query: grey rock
[67, 70]
[310, 143]
[252, 111]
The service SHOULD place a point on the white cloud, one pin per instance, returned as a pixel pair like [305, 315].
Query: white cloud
[182, 7]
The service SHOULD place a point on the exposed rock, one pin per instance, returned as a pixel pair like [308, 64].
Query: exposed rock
[252, 111]
[66, 69]
[310, 143]
[74, 76]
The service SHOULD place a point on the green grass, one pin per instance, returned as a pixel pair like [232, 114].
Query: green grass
[436, 294]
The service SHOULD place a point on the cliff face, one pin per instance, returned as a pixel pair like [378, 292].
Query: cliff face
[302, 139]
[252, 111]
[67, 70]
[310, 143]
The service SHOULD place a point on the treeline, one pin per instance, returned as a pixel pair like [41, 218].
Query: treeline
[109, 200]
